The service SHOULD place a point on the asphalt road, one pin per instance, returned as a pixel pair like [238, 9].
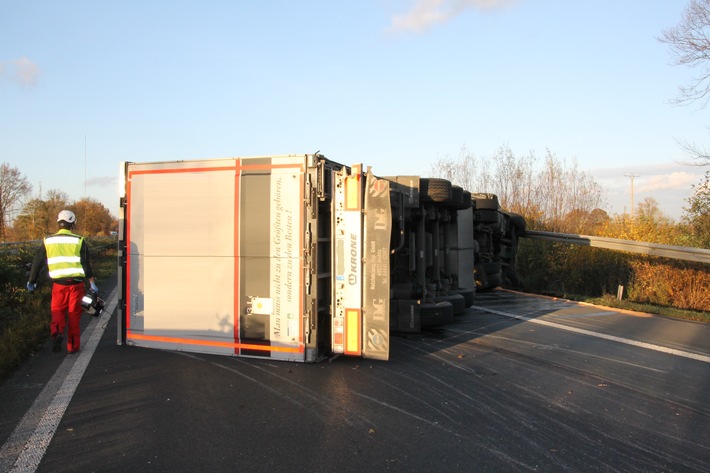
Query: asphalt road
[518, 383]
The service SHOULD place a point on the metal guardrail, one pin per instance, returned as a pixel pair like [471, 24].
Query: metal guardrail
[14, 247]
[687, 253]
[700, 255]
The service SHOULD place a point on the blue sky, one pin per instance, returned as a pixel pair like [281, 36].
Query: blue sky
[395, 84]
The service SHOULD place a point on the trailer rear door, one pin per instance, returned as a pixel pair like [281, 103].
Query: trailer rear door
[214, 256]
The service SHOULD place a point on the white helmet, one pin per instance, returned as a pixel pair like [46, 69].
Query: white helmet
[66, 216]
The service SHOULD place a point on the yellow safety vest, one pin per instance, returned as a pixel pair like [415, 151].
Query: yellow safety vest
[64, 255]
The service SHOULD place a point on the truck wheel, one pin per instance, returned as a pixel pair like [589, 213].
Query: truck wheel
[456, 300]
[467, 200]
[518, 221]
[494, 280]
[460, 199]
[485, 201]
[468, 296]
[438, 313]
[491, 267]
[486, 216]
[434, 190]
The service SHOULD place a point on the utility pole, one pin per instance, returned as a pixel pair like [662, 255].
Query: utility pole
[84, 165]
[632, 176]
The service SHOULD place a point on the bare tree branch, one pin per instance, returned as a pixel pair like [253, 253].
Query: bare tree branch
[698, 156]
[689, 42]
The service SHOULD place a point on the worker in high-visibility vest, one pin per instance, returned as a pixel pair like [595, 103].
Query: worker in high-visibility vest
[66, 256]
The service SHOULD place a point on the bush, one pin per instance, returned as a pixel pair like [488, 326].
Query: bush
[562, 269]
[25, 317]
[674, 283]
[559, 268]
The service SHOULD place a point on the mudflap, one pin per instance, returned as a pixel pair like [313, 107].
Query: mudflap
[405, 316]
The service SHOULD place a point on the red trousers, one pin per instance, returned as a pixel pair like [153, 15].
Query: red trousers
[66, 301]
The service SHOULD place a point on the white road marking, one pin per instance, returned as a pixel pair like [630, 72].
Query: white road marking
[627, 341]
[30, 439]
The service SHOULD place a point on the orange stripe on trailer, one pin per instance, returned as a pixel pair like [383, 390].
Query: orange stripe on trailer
[179, 170]
[207, 343]
[247, 167]
[236, 293]
[127, 216]
[352, 332]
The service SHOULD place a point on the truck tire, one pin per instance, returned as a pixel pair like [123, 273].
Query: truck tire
[485, 201]
[491, 267]
[468, 296]
[438, 313]
[460, 199]
[457, 302]
[518, 221]
[434, 190]
[486, 216]
[467, 200]
[494, 280]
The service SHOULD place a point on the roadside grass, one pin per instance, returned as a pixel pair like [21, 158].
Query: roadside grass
[611, 301]
[665, 311]
[25, 317]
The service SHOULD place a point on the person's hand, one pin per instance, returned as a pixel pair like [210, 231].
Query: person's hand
[94, 287]
[31, 286]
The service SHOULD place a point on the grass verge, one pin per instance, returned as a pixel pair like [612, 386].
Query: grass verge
[608, 300]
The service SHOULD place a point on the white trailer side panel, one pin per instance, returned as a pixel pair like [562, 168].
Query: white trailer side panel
[214, 256]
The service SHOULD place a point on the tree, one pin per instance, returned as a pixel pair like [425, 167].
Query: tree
[649, 211]
[689, 42]
[585, 222]
[697, 214]
[544, 196]
[92, 218]
[13, 187]
[31, 222]
[39, 217]
[598, 218]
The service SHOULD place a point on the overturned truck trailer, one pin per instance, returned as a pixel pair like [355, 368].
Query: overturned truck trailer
[288, 257]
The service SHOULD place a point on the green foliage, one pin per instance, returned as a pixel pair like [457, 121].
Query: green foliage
[12, 271]
[21, 313]
[681, 284]
[24, 332]
[697, 214]
[569, 270]
[24, 316]
[563, 269]
[13, 188]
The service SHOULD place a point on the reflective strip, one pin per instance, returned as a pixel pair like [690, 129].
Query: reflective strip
[71, 240]
[132, 336]
[63, 259]
[66, 272]
[352, 331]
